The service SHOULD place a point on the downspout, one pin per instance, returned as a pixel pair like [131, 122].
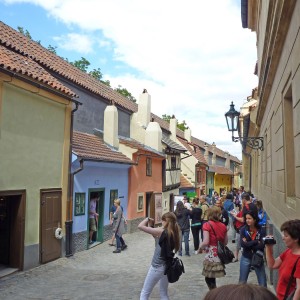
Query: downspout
[250, 169]
[69, 221]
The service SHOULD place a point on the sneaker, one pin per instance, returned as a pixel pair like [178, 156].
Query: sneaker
[187, 254]
[235, 260]
[117, 251]
[123, 247]
[91, 242]
[196, 252]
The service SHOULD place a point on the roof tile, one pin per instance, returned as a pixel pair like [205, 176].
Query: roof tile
[91, 147]
[14, 62]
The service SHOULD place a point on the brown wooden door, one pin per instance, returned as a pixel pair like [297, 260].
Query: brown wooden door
[50, 221]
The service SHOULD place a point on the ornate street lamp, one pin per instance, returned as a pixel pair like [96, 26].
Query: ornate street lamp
[232, 119]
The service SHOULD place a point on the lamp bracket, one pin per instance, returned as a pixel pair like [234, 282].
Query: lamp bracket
[252, 142]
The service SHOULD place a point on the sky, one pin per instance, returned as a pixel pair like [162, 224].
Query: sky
[192, 56]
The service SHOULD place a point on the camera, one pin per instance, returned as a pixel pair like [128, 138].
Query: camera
[269, 240]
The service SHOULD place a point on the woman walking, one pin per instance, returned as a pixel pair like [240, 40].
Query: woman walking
[183, 219]
[213, 231]
[167, 239]
[196, 214]
[288, 260]
[119, 227]
[251, 241]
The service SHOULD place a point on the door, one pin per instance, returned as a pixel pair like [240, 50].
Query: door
[150, 205]
[100, 195]
[50, 246]
[12, 228]
[171, 203]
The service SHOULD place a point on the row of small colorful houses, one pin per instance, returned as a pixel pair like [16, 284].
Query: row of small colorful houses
[65, 135]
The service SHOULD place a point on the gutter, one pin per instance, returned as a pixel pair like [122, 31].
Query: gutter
[69, 208]
[250, 169]
[39, 86]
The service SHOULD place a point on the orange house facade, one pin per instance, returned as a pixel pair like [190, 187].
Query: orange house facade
[145, 183]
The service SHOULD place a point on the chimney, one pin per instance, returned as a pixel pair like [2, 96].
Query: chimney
[214, 157]
[173, 128]
[227, 162]
[144, 109]
[153, 136]
[188, 135]
[206, 154]
[110, 130]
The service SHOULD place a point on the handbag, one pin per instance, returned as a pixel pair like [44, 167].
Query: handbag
[257, 259]
[224, 253]
[288, 296]
[174, 269]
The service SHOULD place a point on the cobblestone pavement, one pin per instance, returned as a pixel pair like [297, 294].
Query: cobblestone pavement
[100, 274]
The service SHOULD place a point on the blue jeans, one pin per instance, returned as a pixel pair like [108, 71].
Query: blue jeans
[245, 266]
[185, 236]
[154, 276]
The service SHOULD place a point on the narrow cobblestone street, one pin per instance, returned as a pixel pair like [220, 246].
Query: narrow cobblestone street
[100, 274]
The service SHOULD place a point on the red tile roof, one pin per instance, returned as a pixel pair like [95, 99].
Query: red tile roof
[219, 152]
[184, 182]
[139, 146]
[195, 151]
[220, 170]
[16, 63]
[91, 147]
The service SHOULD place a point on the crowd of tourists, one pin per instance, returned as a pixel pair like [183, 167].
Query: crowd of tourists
[210, 220]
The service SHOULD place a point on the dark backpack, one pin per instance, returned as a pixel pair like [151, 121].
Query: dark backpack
[174, 269]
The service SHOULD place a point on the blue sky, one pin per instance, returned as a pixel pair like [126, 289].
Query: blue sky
[193, 57]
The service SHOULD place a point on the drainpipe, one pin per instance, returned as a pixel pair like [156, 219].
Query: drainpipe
[250, 169]
[69, 221]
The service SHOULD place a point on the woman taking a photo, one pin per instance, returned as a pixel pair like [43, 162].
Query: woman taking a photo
[167, 240]
[287, 260]
[183, 219]
[213, 231]
[252, 241]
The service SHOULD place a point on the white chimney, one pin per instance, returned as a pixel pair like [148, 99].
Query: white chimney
[206, 154]
[214, 157]
[153, 136]
[188, 134]
[227, 162]
[173, 128]
[144, 109]
[110, 130]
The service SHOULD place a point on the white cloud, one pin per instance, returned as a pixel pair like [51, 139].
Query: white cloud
[75, 42]
[193, 57]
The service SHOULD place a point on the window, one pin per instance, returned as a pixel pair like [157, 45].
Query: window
[79, 208]
[173, 162]
[113, 196]
[140, 202]
[289, 142]
[149, 166]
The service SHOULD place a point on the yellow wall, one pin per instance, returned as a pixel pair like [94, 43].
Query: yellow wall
[34, 145]
[222, 181]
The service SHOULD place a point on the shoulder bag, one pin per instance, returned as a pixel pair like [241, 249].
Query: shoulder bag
[288, 296]
[224, 253]
[174, 269]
